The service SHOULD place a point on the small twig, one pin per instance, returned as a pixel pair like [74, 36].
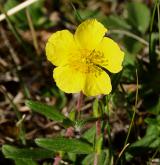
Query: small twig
[30, 22]
[124, 148]
[157, 150]
[11, 26]
[134, 36]
[4, 91]
[127, 33]
[16, 61]
[9, 46]
[18, 114]
[120, 154]
[17, 9]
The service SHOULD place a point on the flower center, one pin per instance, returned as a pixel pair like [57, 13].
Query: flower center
[87, 61]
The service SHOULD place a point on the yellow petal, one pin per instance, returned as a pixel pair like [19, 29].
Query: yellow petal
[113, 56]
[59, 47]
[89, 34]
[68, 79]
[97, 84]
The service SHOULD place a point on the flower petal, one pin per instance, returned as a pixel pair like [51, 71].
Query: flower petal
[68, 79]
[59, 46]
[97, 84]
[89, 34]
[112, 55]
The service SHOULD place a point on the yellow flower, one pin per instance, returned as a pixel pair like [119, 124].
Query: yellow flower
[82, 58]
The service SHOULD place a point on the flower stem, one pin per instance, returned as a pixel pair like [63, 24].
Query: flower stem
[96, 159]
[98, 134]
[57, 160]
[69, 132]
[98, 128]
[79, 105]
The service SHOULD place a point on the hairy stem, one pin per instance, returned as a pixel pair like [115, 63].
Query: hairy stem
[98, 134]
[79, 105]
[57, 160]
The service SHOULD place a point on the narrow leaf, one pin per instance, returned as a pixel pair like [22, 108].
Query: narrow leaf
[65, 144]
[46, 110]
[116, 22]
[25, 162]
[17, 153]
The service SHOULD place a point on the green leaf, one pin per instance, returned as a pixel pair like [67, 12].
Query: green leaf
[37, 13]
[65, 144]
[144, 142]
[128, 74]
[88, 160]
[129, 59]
[156, 108]
[72, 157]
[153, 124]
[142, 146]
[60, 97]
[131, 45]
[138, 16]
[90, 134]
[49, 111]
[86, 14]
[116, 22]
[103, 158]
[17, 18]
[24, 153]
[25, 162]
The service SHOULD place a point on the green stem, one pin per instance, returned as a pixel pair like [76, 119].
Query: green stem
[150, 32]
[158, 12]
[77, 13]
[109, 129]
[132, 122]
[134, 111]
[126, 144]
